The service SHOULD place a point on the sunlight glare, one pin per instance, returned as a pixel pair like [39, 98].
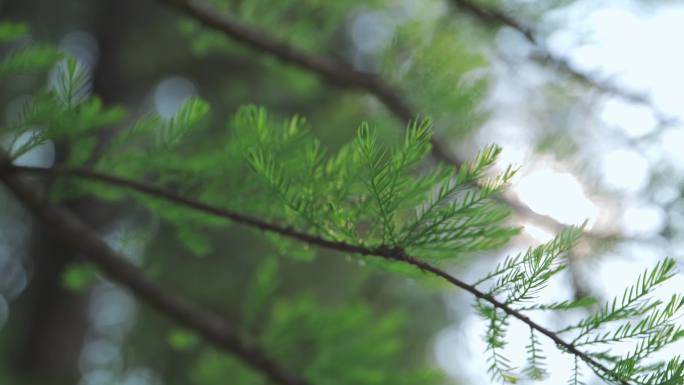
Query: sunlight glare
[633, 119]
[42, 155]
[643, 220]
[558, 195]
[672, 142]
[537, 233]
[171, 93]
[625, 169]
[618, 42]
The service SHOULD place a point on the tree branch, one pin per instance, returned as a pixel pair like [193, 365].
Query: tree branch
[214, 329]
[494, 18]
[388, 253]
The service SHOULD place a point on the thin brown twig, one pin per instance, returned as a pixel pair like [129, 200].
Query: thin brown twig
[389, 253]
[214, 329]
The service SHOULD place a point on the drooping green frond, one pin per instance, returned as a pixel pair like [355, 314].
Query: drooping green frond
[499, 367]
[576, 377]
[536, 365]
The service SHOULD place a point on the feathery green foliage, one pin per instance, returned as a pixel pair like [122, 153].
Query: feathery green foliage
[441, 213]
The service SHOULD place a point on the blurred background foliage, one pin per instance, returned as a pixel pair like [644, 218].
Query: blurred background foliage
[62, 324]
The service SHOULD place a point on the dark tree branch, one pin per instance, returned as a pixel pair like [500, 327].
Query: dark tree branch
[388, 253]
[494, 18]
[214, 329]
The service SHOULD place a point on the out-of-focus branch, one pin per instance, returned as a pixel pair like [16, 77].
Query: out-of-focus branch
[493, 17]
[214, 329]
